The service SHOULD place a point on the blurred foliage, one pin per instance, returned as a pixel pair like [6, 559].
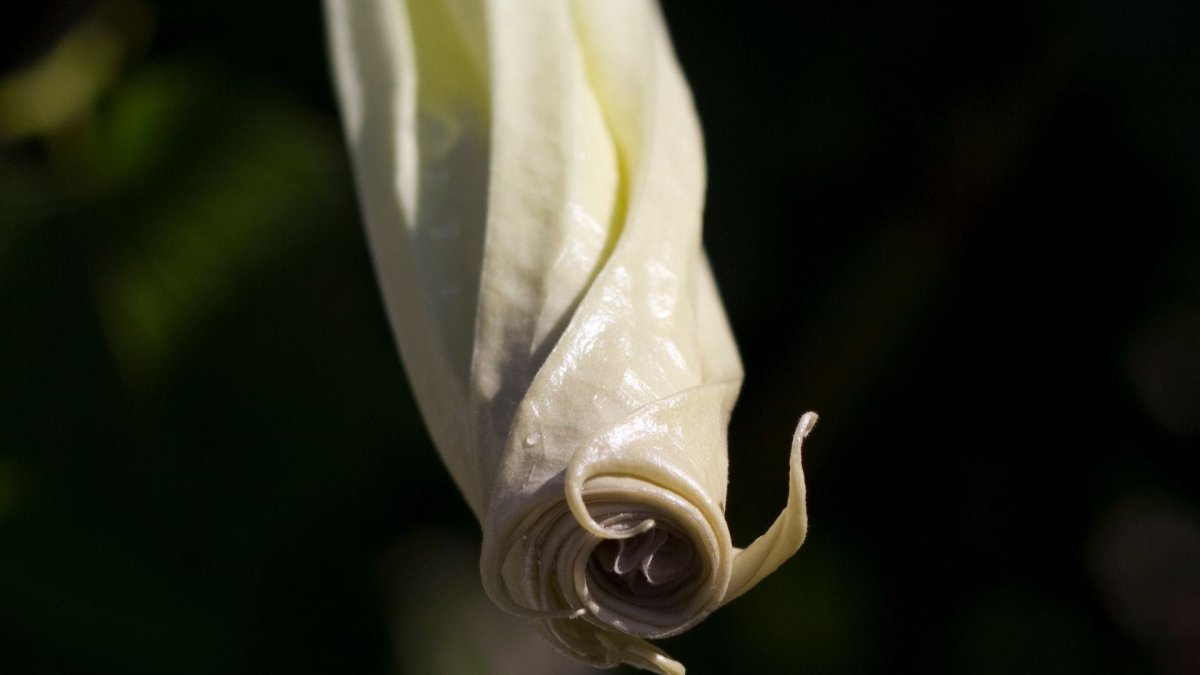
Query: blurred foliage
[968, 235]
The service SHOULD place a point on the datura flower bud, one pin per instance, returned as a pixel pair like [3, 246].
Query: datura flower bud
[531, 174]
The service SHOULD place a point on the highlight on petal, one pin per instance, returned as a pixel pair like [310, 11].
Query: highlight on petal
[532, 176]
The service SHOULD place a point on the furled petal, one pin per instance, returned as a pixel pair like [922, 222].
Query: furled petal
[532, 175]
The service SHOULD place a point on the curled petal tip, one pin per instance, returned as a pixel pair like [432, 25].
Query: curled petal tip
[670, 666]
[643, 655]
[807, 421]
[785, 535]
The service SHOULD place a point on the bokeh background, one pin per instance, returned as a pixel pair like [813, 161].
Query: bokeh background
[968, 234]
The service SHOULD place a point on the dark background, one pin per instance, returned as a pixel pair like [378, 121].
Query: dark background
[968, 235]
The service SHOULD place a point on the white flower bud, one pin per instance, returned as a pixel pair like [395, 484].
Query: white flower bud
[531, 174]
